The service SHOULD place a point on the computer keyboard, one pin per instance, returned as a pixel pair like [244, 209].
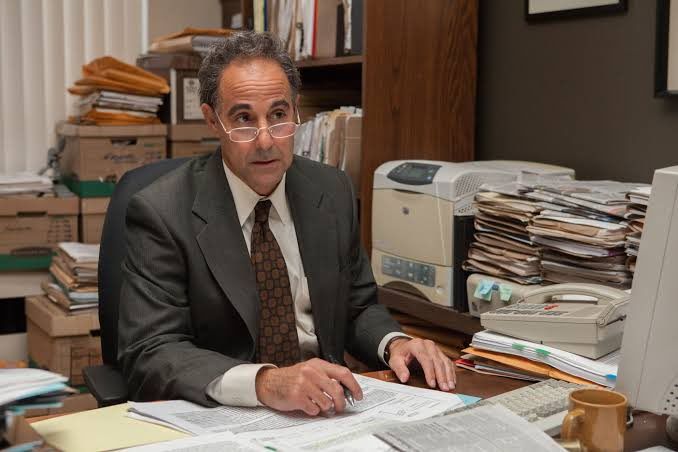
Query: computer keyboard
[545, 403]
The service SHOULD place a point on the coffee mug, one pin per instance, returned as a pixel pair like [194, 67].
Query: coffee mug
[597, 417]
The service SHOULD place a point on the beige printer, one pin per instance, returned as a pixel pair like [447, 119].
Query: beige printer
[422, 221]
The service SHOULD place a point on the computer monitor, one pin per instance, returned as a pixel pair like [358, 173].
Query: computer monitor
[648, 371]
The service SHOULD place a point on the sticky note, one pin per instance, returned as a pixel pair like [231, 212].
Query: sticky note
[505, 292]
[543, 353]
[484, 290]
[517, 346]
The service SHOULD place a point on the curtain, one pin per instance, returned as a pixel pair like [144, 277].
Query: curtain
[43, 44]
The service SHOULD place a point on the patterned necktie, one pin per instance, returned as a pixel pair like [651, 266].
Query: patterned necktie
[278, 341]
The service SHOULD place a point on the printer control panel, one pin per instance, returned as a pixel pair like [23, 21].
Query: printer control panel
[411, 173]
[409, 271]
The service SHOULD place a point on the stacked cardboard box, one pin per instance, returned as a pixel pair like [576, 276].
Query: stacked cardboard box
[96, 157]
[61, 342]
[31, 226]
[180, 70]
[191, 140]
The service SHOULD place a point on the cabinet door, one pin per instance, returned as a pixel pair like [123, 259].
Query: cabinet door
[419, 86]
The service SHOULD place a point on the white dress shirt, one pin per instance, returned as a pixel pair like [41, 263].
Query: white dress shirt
[237, 385]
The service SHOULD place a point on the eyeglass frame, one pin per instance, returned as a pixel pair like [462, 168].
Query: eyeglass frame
[259, 129]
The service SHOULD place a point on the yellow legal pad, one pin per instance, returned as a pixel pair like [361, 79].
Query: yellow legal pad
[102, 429]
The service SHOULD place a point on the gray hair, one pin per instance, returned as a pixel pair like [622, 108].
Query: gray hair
[242, 46]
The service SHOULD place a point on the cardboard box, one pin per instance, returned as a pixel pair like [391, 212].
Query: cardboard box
[182, 104]
[105, 153]
[60, 342]
[191, 140]
[13, 347]
[92, 216]
[31, 227]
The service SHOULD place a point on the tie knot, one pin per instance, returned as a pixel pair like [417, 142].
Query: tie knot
[261, 211]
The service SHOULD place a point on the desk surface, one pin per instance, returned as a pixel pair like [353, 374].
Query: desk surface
[648, 429]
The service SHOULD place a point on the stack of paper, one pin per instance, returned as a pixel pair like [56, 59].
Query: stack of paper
[137, 101]
[25, 184]
[383, 404]
[487, 366]
[104, 100]
[23, 389]
[74, 271]
[502, 246]
[582, 231]
[189, 40]
[602, 371]
[635, 214]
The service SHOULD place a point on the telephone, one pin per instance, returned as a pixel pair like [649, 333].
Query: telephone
[586, 319]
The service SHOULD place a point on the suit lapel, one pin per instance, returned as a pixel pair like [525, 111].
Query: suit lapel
[222, 244]
[315, 225]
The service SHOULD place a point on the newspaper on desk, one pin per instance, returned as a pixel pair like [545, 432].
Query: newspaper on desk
[486, 428]
[383, 404]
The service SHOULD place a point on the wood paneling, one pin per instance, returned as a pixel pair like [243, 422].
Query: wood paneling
[419, 86]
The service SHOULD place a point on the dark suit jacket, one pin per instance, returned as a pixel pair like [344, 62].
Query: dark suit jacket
[189, 306]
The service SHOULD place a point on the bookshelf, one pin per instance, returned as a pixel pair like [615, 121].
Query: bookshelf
[330, 62]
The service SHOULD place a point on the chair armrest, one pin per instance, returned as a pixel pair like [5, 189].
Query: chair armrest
[106, 384]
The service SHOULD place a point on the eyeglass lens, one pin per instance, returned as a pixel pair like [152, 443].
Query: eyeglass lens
[283, 130]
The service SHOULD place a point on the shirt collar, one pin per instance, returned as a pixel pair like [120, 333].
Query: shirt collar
[245, 198]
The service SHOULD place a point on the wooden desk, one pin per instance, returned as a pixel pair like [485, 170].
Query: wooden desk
[648, 429]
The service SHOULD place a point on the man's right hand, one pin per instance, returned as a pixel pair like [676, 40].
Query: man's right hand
[313, 386]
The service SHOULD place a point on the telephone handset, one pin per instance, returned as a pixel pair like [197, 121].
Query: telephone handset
[614, 299]
[586, 319]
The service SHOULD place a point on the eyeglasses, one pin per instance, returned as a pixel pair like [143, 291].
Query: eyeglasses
[248, 134]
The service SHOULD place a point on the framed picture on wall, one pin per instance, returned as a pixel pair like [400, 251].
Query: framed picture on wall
[666, 58]
[537, 10]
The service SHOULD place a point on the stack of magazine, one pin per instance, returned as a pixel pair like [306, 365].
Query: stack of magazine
[74, 273]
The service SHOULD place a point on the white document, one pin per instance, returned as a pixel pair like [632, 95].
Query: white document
[217, 442]
[383, 404]
[81, 252]
[485, 428]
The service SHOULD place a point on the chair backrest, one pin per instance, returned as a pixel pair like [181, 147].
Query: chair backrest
[113, 250]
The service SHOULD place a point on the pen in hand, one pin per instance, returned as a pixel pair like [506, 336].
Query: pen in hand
[347, 394]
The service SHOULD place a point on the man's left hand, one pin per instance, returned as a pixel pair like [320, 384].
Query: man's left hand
[438, 368]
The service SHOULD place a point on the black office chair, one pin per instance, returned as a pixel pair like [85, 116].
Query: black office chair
[106, 382]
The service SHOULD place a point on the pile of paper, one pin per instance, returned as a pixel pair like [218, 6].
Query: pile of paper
[24, 184]
[502, 246]
[487, 366]
[635, 215]
[602, 371]
[582, 231]
[115, 93]
[74, 272]
[23, 389]
[189, 40]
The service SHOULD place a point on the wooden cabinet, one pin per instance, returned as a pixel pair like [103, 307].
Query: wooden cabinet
[419, 86]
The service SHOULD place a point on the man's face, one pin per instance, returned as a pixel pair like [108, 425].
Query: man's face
[254, 93]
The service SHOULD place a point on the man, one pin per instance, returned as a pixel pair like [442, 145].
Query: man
[245, 281]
